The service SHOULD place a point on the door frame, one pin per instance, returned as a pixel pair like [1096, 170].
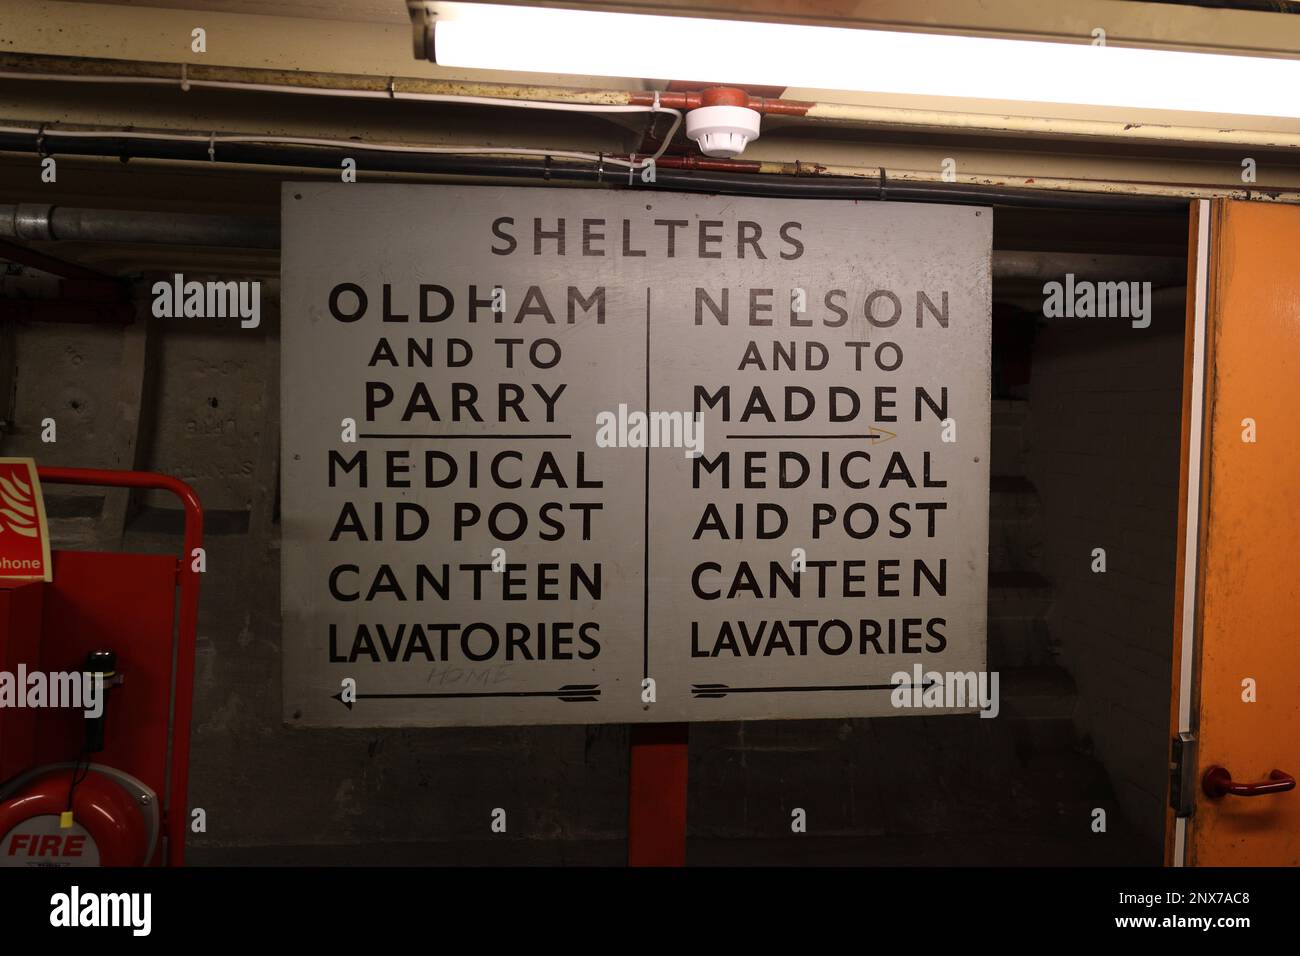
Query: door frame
[1193, 464]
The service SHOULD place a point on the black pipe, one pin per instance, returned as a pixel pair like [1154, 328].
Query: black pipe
[744, 184]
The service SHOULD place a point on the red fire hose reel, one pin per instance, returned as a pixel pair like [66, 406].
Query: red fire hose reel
[112, 791]
[114, 819]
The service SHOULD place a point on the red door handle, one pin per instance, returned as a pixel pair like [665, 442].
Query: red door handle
[1217, 782]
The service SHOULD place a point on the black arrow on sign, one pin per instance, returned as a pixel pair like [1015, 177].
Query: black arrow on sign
[569, 693]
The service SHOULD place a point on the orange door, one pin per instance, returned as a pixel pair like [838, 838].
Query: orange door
[1237, 670]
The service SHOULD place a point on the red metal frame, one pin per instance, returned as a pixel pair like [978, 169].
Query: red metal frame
[188, 579]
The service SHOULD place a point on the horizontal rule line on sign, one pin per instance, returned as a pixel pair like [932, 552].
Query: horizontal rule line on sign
[437, 437]
[764, 437]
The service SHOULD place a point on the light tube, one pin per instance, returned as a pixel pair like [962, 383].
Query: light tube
[551, 40]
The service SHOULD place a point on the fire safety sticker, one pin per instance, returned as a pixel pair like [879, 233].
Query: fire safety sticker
[24, 534]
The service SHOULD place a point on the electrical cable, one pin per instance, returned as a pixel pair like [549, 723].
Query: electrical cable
[79, 774]
[390, 94]
[454, 162]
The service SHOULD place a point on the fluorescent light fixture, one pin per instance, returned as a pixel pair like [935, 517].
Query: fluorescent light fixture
[551, 40]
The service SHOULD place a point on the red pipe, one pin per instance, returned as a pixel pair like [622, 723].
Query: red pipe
[730, 97]
[188, 578]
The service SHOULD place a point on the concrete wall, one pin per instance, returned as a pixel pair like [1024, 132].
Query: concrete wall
[212, 420]
[1105, 404]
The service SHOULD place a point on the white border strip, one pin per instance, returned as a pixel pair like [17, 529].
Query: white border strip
[1195, 451]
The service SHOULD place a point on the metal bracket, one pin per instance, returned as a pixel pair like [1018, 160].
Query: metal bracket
[1182, 775]
[423, 20]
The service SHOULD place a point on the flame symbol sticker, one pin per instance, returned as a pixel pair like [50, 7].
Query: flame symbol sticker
[19, 511]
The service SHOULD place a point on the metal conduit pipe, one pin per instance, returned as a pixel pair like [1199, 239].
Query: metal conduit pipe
[1047, 266]
[29, 221]
[821, 186]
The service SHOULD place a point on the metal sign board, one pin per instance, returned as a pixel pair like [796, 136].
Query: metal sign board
[580, 456]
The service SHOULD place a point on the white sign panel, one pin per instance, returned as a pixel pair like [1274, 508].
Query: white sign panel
[582, 456]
